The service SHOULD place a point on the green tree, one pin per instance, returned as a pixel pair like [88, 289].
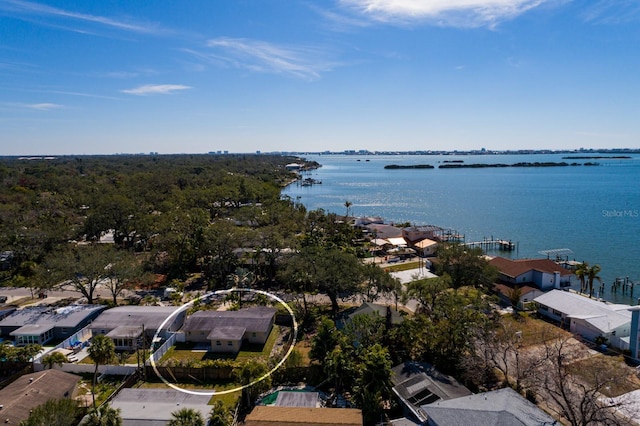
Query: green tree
[325, 340]
[105, 415]
[592, 274]
[54, 412]
[378, 282]
[373, 384]
[186, 417]
[119, 273]
[348, 205]
[427, 290]
[248, 372]
[466, 266]
[101, 351]
[582, 270]
[220, 415]
[83, 268]
[366, 330]
[54, 358]
[337, 273]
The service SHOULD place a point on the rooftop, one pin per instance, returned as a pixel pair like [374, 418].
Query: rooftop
[605, 316]
[515, 268]
[154, 406]
[32, 390]
[68, 316]
[284, 416]
[254, 319]
[150, 316]
[500, 407]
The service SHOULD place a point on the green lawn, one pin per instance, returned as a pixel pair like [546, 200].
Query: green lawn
[183, 352]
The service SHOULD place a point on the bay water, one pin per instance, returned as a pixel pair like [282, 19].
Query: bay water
[592, 210]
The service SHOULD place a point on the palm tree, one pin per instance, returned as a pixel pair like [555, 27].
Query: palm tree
[347, 204]
[581, 273]
[186, 417]
[54, 358]
[592, 274]
[104, 416]
[102, 351]
[220, 414]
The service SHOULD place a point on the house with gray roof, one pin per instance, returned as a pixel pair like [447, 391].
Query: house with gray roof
[226, 330]
[500, 407]
[32, 390]
[153, 407]
[41, 324]
[125, 324]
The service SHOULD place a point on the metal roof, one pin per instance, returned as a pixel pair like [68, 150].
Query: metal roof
[68, 316]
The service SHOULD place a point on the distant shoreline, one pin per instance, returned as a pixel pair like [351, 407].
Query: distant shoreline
[483, 166]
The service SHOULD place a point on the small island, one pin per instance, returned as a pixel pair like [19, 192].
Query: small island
[412, 166]
[523, 164]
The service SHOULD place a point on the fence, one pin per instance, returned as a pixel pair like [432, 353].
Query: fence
[163, 349]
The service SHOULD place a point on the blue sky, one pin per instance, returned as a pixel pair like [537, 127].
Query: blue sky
[116, 76]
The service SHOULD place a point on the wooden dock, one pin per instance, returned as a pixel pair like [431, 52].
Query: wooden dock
[494, 244]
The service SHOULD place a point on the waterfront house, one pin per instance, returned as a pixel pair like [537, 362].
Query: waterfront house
[417, 233]
[500, 407]
[544, 274]
[41, 324]
[589, 318]
[19, 398]
[225, 331]
[125, 324]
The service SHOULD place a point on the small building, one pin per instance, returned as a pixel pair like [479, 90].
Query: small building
[390, 315]
[263, 415]
[425, 247]
[227, 330]
[527, 294]
[418, 233]
[499, 407]
[41, 324]
[589, 318]
[152, 407]
[32, 390]
[125, 324]
[544, 274]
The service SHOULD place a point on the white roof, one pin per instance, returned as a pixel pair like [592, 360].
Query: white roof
[397, 241]
[604, 316]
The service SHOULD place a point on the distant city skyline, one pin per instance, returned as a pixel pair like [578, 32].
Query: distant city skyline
[272, 76]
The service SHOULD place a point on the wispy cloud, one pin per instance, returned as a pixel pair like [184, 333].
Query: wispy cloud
[612, 12]
[20, 7]
[455, 13]
[259, 56]
[44, 106]
[156, 89]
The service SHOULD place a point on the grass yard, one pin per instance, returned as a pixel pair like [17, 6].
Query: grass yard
[184, 353]
[534, 331]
